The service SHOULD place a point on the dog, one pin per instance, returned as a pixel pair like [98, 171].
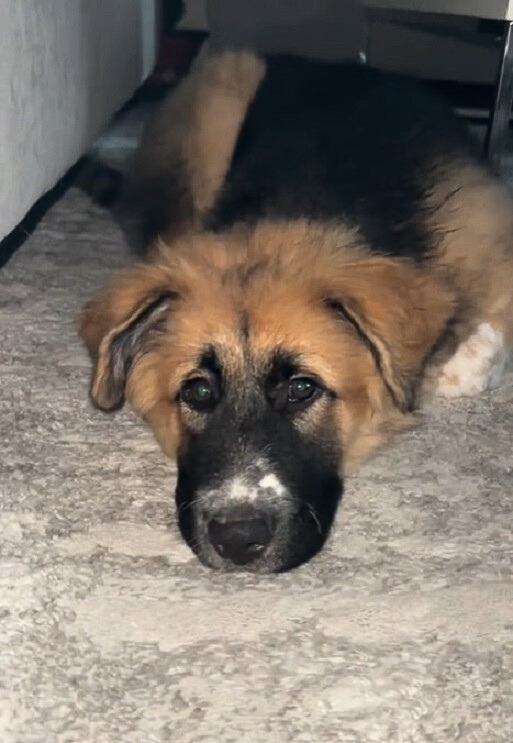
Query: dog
[324, 252]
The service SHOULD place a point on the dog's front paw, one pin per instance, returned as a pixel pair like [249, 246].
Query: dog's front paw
[477, 365]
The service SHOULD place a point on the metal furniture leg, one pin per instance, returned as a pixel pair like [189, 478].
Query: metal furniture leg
[501, 111]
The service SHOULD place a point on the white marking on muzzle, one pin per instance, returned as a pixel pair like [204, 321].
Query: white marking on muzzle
[247, 488]
[271, 482]
[240, 490]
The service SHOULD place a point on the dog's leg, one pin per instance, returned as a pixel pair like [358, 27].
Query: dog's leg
[477, 365]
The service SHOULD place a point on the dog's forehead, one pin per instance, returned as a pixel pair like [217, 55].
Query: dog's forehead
[249, 330]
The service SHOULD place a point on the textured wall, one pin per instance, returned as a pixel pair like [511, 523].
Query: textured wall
[65, 67]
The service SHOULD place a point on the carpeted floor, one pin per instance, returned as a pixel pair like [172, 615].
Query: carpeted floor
[112, 632]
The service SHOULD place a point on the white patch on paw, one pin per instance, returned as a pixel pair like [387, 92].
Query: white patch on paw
[477, 365]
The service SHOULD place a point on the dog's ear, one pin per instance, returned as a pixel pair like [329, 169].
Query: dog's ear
[120, 325]
[400, 311]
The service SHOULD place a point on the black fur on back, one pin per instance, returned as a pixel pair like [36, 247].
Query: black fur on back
[340, 141]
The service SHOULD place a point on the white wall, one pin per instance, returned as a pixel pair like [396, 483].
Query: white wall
[65, 67]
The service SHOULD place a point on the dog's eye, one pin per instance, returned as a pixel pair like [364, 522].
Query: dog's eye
[302, 391]
[198, 394]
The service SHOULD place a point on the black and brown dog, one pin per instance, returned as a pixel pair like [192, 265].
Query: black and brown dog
[323, 251]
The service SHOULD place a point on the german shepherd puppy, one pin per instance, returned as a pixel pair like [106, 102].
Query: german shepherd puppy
[323, 251]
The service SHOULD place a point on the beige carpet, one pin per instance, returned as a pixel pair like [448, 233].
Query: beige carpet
[112, 632]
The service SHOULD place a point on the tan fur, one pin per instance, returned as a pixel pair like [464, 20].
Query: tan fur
[110, 308]
[277, 277]
[194, 132]
[472, 213]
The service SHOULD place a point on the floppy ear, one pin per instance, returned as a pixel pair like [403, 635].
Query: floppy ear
[120, 325]
[400, 311]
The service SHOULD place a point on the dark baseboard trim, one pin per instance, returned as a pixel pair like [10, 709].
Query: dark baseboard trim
[10, 244]
[15, 239]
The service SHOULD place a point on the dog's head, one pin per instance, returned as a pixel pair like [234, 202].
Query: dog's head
[266, 365]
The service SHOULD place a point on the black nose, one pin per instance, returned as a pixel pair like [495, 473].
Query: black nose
[240, 540]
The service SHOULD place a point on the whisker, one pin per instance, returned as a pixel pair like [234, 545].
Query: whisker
[195, 544]
[314, 516]
[189, 504]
